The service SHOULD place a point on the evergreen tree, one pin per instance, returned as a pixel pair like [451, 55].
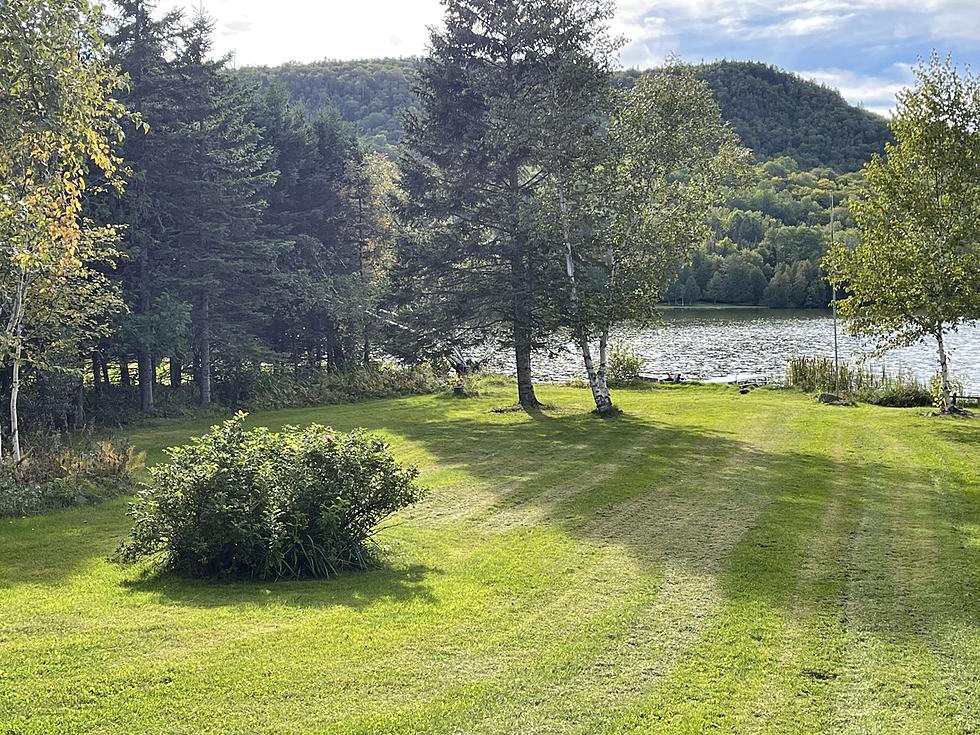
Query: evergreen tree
[327, 206]
[477, 154]
[215, 178]
[144, 48]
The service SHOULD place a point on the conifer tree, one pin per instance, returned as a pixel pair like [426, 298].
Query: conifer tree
[144, 48]
[478, 152]
[215, 178]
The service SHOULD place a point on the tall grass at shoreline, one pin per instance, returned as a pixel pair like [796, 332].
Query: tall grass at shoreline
[816, 374]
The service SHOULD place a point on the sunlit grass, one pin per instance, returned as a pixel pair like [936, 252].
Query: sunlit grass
[708, 562]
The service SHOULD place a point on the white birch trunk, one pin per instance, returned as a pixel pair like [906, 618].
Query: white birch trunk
[14, 418]
[946, 394]
[14, 333]
[597, 381]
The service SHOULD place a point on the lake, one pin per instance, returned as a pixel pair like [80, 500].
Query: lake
[714, 342]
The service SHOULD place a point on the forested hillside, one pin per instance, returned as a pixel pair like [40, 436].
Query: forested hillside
[769, 238]
[779, 114]
[774, 112]
[372, 94]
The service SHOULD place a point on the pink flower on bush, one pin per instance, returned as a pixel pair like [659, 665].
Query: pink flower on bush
[328, 438]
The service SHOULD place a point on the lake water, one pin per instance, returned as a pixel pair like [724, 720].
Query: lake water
[714, 342]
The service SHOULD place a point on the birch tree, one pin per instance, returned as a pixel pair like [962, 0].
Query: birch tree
[58, 122]
[915, 275]
[631, 214]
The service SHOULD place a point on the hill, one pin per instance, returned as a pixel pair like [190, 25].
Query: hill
[781, 114]
[776, 113]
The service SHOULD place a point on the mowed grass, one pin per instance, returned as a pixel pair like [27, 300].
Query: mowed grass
[708, 562]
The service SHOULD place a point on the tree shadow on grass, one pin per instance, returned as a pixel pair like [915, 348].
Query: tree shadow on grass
[51, 548]
[712, 503]
[703, 500]
[352, 589]
[965, 432]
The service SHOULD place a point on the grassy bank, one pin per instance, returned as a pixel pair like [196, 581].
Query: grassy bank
[707, 562]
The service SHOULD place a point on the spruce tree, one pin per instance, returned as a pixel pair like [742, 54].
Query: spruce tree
[503, 82]
[216, 178]
[144, 47]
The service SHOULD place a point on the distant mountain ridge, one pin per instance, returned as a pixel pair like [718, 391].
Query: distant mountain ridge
[776, 113]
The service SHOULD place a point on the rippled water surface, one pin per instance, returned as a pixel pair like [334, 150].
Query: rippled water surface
[709, 342]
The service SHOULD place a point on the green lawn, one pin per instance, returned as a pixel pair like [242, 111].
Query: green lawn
[708, 562]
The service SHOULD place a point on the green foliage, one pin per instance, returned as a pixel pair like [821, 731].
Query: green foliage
[900, 394]
[915, 274]
[486, 139]
[373, 93]
[768, 240]
[59, 132]
[270, 390]
[301, 502]
[818, 375]
[936, 387]
[775, 113]
[624, 366]
[55, 474]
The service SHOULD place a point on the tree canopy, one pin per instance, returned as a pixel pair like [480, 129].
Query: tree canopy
[915, 274]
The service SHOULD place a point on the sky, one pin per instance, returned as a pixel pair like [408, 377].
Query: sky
[864, 48]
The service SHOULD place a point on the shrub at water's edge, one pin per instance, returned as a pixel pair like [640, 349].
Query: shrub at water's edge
[624, 366]
[56, 473]
[301, 502]
[819, 374]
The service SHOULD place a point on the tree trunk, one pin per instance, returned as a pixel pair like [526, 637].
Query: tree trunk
[205, 351]
[603, 356]
[147, 378]
[525, 383]
[946, 397]
[176, 378]
[14, 418]
[519, 294]
[600, 391]
[124, 378]
[76, 419]
[104, 364]
[522, 345]
[97, 373]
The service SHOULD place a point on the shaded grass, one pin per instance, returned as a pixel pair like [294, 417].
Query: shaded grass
[705, 562]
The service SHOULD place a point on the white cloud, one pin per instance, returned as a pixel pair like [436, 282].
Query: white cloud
[876, 93]
[263, 32]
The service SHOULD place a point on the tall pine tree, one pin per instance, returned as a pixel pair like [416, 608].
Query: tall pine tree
[216, 178]
[145, 48]
[478, 152]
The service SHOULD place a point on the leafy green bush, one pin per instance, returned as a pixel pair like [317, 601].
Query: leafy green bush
[624, 366]
[302, 502]
[936, 390]
[59, 474]
[904, 394]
